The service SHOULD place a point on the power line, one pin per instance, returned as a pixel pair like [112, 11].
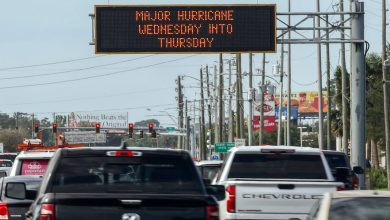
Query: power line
[86, 98]
[52, 63]
[95, 76]
[74, 70]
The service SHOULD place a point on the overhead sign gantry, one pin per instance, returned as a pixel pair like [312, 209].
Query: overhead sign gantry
[185, 29]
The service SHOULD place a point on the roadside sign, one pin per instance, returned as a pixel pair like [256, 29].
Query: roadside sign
[239, 142]
[214, 157]
[185, 28]
[85, 137]
[170, 129]
[223, 147]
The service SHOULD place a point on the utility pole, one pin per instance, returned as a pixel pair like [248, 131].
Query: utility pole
[262, 102]
[288, 143]
[216, 130]
[385, 92]
[328, 121]
[220, 103]
[238, 83]
[180, 107]
[241, 100]
[230, 124]
[344, 82]
[32, 126]
[281, 73]
[320, 109]
[250, 95]
[209, 100]
[188, 128]
[203, 148]
[358, 99]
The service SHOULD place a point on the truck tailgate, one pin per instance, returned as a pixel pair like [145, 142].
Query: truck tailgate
[282, 197]
[162, 207]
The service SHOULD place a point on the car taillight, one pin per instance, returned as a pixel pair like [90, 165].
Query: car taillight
[212, 212]
[340, 188]
[231, 201]
[355, 182]
[3, 211]
[47, 212]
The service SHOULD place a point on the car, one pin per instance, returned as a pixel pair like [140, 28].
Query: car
[209, 168]
[31, 162]
[352, 205]
[16, 195]
[124, 183]
[8, 156]
[274, 182]
[340, 159]
[5, 166]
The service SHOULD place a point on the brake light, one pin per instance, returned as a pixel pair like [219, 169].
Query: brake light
[355, 182]
[340, 188]
[3, 211]
[124, 153]
[47, 212]
[277, 151]
[231, 201]
[212, 212]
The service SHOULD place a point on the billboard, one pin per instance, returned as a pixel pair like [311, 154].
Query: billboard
[268, 111]
[106, 119]
[185, 28]
[307, 102]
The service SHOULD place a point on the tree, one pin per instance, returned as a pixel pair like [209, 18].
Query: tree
[11, 138]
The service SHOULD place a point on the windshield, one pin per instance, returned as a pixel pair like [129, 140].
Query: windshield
[5, 163]
[360, 209]
[126, 174]
[336, 160]
[277, 166]
[209, 172]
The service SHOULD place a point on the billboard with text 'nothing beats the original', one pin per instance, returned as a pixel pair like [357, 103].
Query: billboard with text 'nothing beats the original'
[185, 28]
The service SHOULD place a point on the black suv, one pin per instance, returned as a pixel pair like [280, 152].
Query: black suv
[338, 159]
[124, 183]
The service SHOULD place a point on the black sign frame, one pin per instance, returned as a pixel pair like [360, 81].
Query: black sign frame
[224, 43]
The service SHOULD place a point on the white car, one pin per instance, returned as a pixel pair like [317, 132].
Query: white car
[31, 162]
[352, 205]
[5, 167]
[209, 169]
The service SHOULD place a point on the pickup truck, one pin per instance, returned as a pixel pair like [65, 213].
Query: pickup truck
[125, 184]
[274, 182]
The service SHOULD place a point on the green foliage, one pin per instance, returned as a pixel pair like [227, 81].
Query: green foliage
[11, 138]
[378, 178]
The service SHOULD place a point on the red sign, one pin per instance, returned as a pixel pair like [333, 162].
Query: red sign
[269, 123]
[34, 167]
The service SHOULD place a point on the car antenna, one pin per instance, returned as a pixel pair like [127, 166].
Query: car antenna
[124, 145]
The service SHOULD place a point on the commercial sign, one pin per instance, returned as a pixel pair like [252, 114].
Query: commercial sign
[185, 28]
[84, 137]
[106, 119]
[294, 112]
[269, 123]
[307, 102]
[269, 113]
[34, 167]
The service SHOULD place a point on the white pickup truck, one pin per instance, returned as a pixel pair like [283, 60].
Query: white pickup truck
[274, 182]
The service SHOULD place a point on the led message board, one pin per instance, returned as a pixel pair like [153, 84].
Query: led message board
[185, 29]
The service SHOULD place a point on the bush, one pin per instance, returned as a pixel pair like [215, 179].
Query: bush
[378, 178]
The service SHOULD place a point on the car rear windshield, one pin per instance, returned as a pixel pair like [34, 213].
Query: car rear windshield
[5, 163]
[277, 166]
[360, 208]
[336, 160]
[164, 174]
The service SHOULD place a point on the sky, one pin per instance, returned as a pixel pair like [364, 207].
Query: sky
[48, 66]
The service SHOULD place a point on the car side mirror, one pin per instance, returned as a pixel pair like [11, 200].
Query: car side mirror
[207, 181]
[342, 173]
[218, 191]
[15, 190]
[358, 170]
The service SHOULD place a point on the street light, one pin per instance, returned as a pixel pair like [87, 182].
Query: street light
[300, 132]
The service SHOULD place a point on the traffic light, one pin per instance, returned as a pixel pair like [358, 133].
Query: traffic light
[208, 139]
[54, 127]
[97, 127]
[154, 134]
[36, 127]
[141, 134]
[131, 130]
[151, 127]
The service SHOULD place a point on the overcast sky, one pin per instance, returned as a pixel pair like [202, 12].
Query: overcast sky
[34, 33]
